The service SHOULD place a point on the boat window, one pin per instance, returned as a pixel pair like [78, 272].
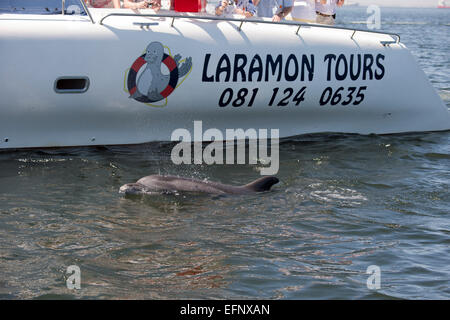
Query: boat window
[71, 7]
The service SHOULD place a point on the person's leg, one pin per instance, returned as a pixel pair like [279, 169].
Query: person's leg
[204, 3]
[325, 20]
[330, 21]
[319, 19]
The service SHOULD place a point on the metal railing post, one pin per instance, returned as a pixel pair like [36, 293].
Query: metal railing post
[83, 4]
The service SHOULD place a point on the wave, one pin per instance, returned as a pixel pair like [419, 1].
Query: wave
[418, 23]
[337, 194]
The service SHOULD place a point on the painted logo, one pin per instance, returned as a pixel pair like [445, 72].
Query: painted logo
[145, 81]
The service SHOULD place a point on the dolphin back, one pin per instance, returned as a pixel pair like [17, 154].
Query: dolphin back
[167, 184]
[262, 184]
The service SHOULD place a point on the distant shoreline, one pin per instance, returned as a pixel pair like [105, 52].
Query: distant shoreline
[396, 7]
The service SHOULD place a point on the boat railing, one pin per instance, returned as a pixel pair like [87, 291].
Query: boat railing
[242, 21]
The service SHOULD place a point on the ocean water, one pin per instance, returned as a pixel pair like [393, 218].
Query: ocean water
[345, 202]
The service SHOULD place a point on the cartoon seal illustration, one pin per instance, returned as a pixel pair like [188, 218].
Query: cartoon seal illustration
[152, 85]
[168, 184]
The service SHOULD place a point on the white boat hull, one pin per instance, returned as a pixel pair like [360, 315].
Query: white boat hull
[34, 52]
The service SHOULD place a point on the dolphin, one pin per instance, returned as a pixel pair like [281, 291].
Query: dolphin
[169, 184]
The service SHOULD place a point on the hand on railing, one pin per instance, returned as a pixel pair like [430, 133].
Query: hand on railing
[135, 5]
[154, 4]
[221, 8]
[243, 12]
[141, 5]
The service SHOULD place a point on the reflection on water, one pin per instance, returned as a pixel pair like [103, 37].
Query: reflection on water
[345, 202]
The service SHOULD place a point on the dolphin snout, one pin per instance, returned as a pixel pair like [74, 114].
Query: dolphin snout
[131, 188]
[123, 189]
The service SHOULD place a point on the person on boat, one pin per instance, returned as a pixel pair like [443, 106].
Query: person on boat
[266, 8]
[326, 10]
[104, 3]
[203, 3]
[304, 11]
[142, 4]
[245, 8]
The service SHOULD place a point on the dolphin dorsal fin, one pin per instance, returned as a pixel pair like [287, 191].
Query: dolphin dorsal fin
[262, 184]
